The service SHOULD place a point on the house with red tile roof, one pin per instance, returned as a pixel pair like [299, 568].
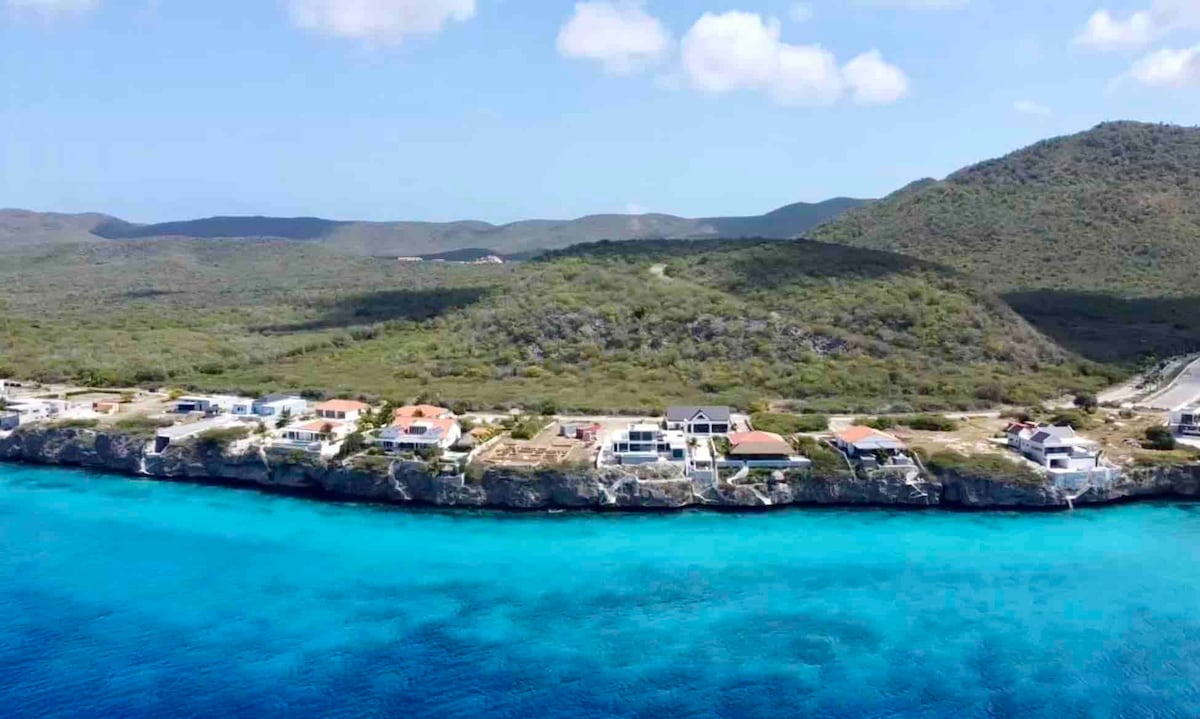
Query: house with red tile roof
[867, 445]
[343, 410]
[427, 411]
[762, 450]
[410, 434]
[319, 436]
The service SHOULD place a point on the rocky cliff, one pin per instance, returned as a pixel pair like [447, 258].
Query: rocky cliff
[374, 479]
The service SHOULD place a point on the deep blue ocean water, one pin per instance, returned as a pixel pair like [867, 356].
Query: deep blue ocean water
[123, 598]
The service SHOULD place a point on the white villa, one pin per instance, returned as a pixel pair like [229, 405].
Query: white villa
[1185, 422]
[318, 436]
[409, 434]
[700, 421]
[1055, 448]
[647, 443]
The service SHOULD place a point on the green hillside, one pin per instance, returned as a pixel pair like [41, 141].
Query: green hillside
[611, 326]
[1114, 210]
[23, 228]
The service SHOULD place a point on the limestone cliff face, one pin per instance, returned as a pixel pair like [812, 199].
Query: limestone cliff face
[405, 483]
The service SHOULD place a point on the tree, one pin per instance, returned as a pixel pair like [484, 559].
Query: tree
[353, 444]
[285, 418]
[1087, 402]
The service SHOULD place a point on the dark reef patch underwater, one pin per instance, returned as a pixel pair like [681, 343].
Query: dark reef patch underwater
[146, 599]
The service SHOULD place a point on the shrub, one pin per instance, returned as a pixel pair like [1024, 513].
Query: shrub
[1087, 402]
[1074, 418]
[826, 462]
[931, 423]
[994, 467]
[222, 438]
[1160, 439]
[525, 428]
[75, 424]
[789, 424]
[880, 423]
[140, 425]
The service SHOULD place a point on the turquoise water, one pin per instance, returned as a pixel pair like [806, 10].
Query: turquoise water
[128, 598]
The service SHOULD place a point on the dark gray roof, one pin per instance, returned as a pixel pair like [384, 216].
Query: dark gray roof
[684, 413]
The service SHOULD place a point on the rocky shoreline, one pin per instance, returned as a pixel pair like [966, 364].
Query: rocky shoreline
[582, 489]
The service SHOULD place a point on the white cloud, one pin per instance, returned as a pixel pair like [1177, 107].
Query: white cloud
[379, 20]
[1169, 68]
[621, 36]
[51, 8]
[873, 81]
[1029, 107]
[727, 52]
[1105, 31]
[801, 12]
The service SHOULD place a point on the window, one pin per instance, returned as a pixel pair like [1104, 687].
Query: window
[701, 429]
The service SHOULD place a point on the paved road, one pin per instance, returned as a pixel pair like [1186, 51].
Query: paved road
[1184, 390]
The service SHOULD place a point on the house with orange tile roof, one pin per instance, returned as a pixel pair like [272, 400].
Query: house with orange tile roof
[762, 450]
[426, 411]
[411, 434]
[867, 445]
[319, 436]
[342, 410]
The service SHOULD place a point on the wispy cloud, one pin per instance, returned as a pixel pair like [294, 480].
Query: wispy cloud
[50, 8]
[379, 20]
[801, 12]
[1029, 107]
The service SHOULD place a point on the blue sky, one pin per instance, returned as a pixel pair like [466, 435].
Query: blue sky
[509, 109]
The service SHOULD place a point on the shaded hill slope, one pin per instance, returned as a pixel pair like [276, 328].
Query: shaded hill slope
[1115, 209]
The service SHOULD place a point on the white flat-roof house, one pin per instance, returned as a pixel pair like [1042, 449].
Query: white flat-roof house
[409, 434]
[1185, 422]
[1058, 448]
[321, 436]
[647, 443]
[700, 421]
[272, 405]
[209, 404]
[32, 410]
